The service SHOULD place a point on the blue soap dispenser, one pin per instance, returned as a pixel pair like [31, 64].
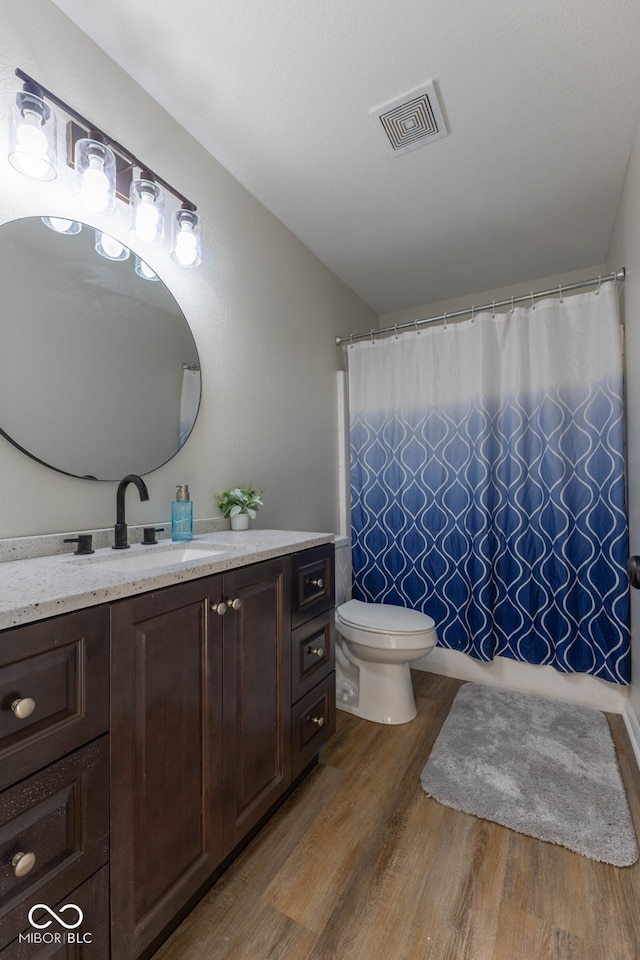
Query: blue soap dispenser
[182, 515]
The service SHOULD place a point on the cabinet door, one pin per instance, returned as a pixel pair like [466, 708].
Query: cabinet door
[257, 699]
[166, 767]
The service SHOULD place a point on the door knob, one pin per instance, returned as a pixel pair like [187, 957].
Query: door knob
[219, 608]
[23, 707]
[234, 604]
[319, 721]
[23, 863]
[319, 583]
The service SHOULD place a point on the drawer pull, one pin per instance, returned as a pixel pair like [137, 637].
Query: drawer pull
[319, 721]
[319, 583]
[23, 707]
[219, 608]
[23, 863]
[316, 651]
[234, 604]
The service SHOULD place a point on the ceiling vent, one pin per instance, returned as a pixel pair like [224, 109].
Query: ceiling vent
[411, 121]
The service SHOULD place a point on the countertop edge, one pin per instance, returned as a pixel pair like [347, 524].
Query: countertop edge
[48, 578]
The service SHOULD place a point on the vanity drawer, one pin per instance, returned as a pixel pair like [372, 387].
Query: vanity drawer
[313, 720]
[62, 666]
[312, 653]
[90, 939]
[312, 583]
[61, 816]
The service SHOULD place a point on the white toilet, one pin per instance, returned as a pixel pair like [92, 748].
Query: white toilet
[376, 643]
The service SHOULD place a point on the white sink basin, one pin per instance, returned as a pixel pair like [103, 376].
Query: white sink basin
[154, 557]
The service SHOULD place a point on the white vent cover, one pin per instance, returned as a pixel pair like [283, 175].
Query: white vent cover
[411, 121]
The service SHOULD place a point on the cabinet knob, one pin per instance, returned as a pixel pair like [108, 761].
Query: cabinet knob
[234, 604]
[219, 608]
[316, 651]
[23, 863]
[319, 583]
[23, 707]
[319, 721]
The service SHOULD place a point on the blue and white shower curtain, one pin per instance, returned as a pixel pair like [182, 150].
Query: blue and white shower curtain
[487, 482]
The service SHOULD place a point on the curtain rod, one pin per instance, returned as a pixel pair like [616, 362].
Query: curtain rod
[509, 302]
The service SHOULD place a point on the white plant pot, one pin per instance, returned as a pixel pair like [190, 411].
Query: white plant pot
[240, 521]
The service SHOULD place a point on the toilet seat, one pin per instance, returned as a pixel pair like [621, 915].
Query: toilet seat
[384, 618]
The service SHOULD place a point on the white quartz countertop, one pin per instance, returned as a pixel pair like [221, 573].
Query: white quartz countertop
[41, 587]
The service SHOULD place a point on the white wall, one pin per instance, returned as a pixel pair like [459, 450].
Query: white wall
[263, 310]
[625, 251]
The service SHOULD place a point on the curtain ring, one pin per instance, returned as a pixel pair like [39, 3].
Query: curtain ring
[512, 306]
[533, 306]
[351, 340]
[493, 309]
[444, 317]
[560, 291]
[473, 312]
[371, 332]
[395, 329]
[416, 326]
[599, 282]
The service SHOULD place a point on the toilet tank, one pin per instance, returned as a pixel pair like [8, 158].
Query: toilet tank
[343, 570]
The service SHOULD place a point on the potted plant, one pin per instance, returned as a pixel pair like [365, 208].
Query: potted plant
[239, 504]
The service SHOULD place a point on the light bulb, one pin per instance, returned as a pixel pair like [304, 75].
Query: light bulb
[32, 135]
[107, 246]
[62, 226]
[95, 186]
[147, 219]
[144, 270]
[31, 148]
[186, 245]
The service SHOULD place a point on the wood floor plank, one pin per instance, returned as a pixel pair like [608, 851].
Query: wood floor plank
[361, 865]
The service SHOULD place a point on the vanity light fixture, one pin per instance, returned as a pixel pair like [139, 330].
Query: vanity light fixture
[104, 174]
[147, 209]
[186, 246]
[110, 248]
[32, 136]
[60, 225]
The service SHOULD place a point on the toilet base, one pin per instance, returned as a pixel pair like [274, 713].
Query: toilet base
[384, 693]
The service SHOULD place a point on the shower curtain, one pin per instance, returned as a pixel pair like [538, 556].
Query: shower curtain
[487, 482]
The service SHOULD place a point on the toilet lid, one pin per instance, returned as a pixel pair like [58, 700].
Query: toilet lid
[384, 617]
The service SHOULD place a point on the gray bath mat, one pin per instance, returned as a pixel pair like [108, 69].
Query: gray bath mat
[544, 768]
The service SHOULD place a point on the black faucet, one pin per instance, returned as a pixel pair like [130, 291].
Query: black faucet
[120, 530]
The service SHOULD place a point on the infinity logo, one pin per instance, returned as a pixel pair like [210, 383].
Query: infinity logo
[56, 916]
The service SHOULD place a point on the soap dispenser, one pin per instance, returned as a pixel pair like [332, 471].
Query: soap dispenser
[182, 515]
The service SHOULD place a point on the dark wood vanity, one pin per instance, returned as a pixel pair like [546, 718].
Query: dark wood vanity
[166, 728]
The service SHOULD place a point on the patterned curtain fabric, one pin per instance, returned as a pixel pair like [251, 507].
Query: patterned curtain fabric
[487, 482]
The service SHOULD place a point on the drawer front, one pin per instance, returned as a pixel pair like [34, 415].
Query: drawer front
[312, 583]
[60, 817]
[312, 654]
[88, 941]
[54, 690]
[313, 720]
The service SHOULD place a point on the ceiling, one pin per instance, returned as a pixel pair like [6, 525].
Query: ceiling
[540, 97]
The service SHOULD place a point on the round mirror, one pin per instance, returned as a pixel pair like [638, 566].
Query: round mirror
[99, 372]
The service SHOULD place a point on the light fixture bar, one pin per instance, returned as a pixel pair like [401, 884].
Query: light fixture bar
[117, 147]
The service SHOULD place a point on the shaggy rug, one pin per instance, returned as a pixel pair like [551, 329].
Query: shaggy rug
[542, 767]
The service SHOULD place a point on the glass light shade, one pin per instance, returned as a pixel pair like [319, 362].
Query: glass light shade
[107, 246]
[144, 270]
[186, 237]
[32, 136]
[62, 226]
[146, 217]
[95, 166]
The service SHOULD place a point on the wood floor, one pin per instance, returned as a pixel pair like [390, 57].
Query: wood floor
[360, 865]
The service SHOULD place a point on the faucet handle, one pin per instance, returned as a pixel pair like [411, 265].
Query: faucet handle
[85, 543]
[149, 534]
